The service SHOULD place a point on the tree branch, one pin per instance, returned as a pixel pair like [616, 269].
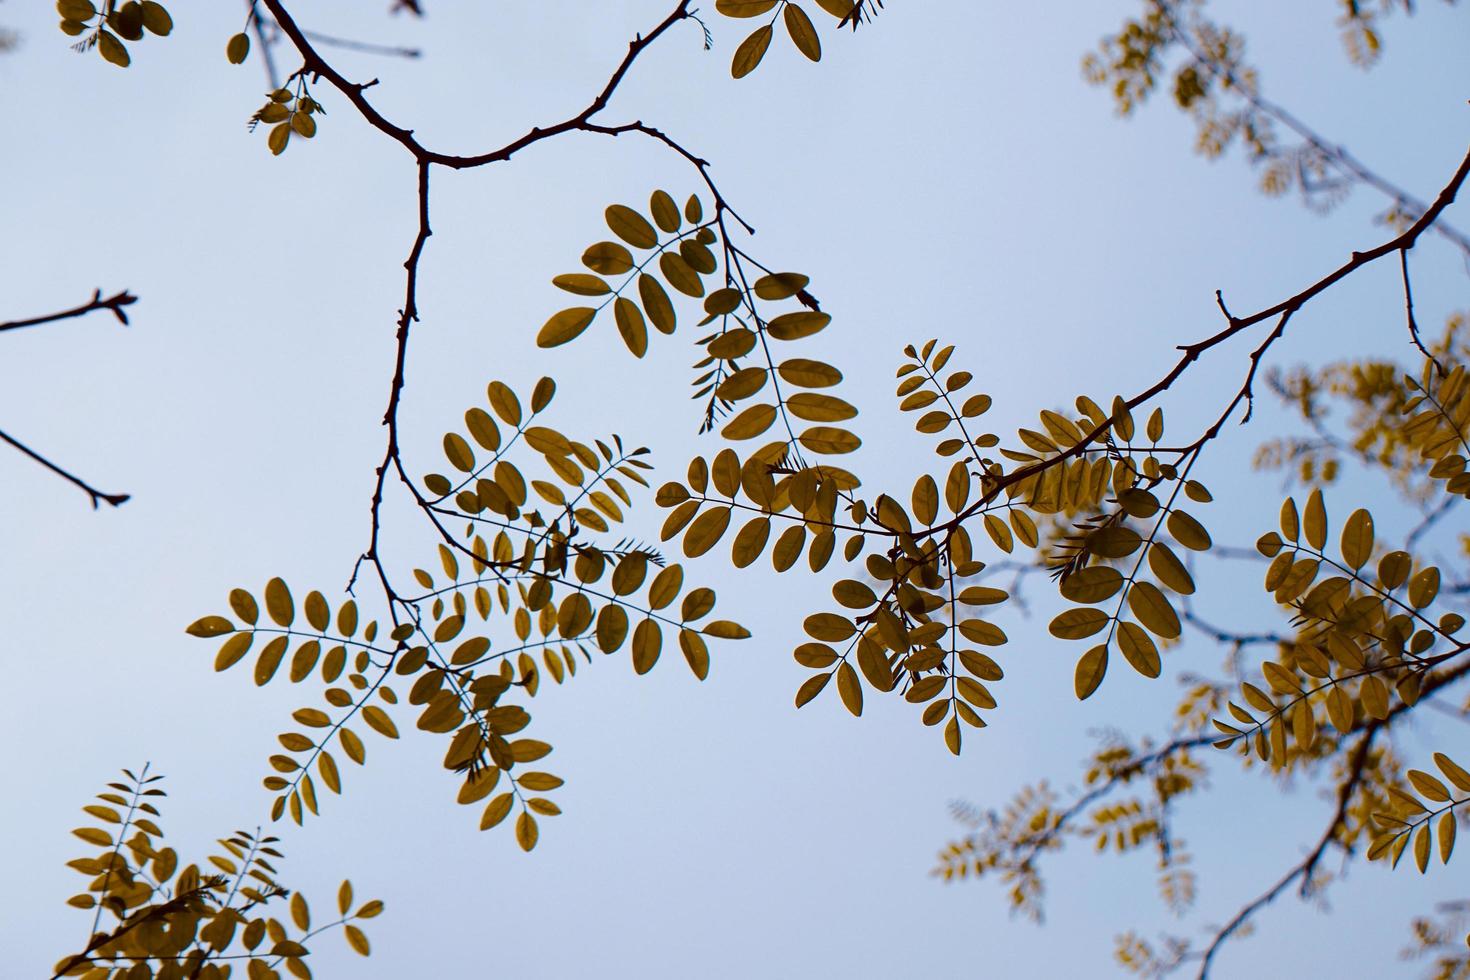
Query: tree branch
[98, 496]
[113, 303]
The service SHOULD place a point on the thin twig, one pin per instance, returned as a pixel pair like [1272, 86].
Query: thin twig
[113, 304]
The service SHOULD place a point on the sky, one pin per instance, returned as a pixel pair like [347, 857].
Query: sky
[943, 173]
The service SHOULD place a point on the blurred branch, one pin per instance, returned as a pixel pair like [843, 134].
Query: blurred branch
[113, 304]
[115, 499]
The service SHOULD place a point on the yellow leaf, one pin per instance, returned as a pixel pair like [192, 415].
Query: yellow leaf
[1453, 772]
[828, 440]
[526, 832]
[656, 303]
[565, 325]
[582, 284]
[665, 211]
[811, 687]
[750, 423]
[1188, 531]
[744, 8]
[113, 50]
[794, 326]
[1076, 624]
[238, 49]
[819, 408]
[631, 226]
[608, 258]
[804, 36]
[209, 626]
[808, 373]
[1139, 650]
[278, 602]
[1090, 670]
[1095, 583]
[706, 531]
[630, 324]
[647, 643]
[1314, 521]
[1167, 567]
[497, 810]
[357, 939]
[748, 55]
[695, 652]
[849, 689]
[378, 719]
[1153, 610]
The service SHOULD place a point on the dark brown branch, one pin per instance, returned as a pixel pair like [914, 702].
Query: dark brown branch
[406, 317]
[1409, 314]
[98, 496]
[113, 303]
[315, 64]
[1281, 311]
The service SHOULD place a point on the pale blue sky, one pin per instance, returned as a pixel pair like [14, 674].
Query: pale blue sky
[945, 172]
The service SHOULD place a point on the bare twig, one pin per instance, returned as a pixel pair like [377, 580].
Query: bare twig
[113, 304]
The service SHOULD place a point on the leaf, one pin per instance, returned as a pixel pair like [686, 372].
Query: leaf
[780, 285]
[808, 373]
[565, 326]
[1153, 610]
[279, 137]
[1077, 624]
[278, 602]
[1096, 583]
[357, 939]
[1169, 570]
[582, 284]
[112, 50]
[680, 275]
[750, 52]
[238, 49]
[608, 258]
[848, 687]
[1314, 521]
[804, 36]
[828, 440]
[1139, 650]
[631, 226]
[656, 303]
[210, 626]
[794, 326]
[819, 408]
[696, 653]
[1453, 772]
[1428, 787]
[379, 721]
[665, 211]
[526, 832]
[630, 324]
[750, 423]
[1374, 695]
[744, 8]
[706, 531]
[647, 643]
[809, 689]
[1090, 670]
[497, 810]
[1188, 531]
[1357, 539]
